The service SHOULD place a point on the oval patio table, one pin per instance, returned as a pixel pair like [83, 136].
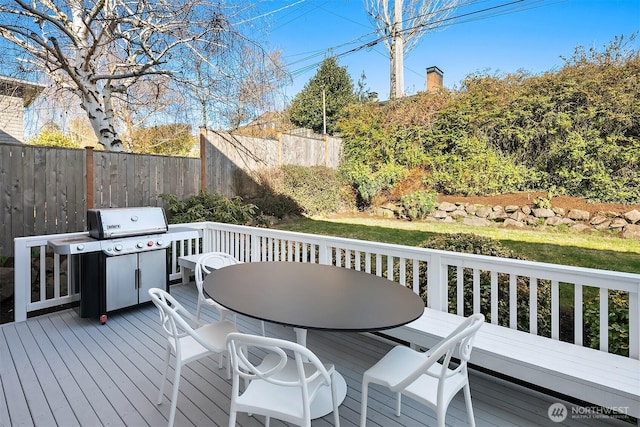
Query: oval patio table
[314, 296]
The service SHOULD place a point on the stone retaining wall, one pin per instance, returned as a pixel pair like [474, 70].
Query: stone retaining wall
[626, 224]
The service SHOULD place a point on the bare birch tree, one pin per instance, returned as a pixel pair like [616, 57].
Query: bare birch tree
[402, 23]
[100, 48]
[237, 85]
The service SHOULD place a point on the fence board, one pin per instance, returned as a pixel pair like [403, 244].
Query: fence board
[5, 198]
[15, 178]
[40, 190]
[28, 191]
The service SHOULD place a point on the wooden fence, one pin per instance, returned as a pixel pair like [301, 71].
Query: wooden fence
[46, 190]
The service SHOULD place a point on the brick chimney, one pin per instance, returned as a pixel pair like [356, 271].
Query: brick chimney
[434, 78]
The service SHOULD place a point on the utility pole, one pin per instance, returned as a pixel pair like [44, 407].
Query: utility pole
[324, 113]
[397, 54]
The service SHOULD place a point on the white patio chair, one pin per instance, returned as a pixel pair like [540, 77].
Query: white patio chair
[206, 263]
[276, 385]
[427, 377]
[186, 343]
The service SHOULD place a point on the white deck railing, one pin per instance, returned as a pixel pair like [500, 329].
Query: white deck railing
[404, 264]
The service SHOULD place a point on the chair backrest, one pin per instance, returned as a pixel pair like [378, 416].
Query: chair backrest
[461, 339]
[269, 368]
[175, 319]
[211, 261]
[171, 313]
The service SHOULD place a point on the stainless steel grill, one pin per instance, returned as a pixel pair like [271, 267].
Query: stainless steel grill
[124, 255]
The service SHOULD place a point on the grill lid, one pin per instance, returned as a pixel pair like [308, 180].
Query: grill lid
[121, 222]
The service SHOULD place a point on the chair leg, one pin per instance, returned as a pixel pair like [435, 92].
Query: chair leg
[198, 310]
[363, 407]
[164, 374]
[467, 399]
[232, 417]
[398, 403]
[264, 334]
[174, 394]
[334, 399]
[267, 421]
[441, 413]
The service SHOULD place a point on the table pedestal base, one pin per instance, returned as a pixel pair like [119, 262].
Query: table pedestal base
[321, 404]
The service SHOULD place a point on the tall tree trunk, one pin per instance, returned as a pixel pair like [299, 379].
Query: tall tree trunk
[100, 113]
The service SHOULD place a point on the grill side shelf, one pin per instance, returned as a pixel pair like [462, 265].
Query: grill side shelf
[74, 245]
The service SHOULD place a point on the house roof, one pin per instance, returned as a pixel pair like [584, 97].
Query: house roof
[19, 88]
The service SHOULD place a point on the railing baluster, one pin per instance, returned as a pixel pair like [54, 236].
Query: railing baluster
[555, 310]
[604, 319]
[416, 276]
[476, 290]
[533, 305]
[578, 318]
[494, 297]
[459, 290]
[56, 276]
[513, 301]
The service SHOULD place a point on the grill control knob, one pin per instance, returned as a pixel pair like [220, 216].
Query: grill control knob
[159, 243]
[80, 247]
[139, 245]
[150, 243]
[118, 248]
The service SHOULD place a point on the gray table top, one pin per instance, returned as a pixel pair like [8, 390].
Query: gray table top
[313, 296]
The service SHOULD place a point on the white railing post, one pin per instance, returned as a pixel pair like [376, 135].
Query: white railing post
[22, 279]
[324, 253]
[255, 248]
[437, 284]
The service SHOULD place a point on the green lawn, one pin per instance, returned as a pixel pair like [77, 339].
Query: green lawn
[593, 250]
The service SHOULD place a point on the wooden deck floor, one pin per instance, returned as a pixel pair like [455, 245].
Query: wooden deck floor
[60, 369]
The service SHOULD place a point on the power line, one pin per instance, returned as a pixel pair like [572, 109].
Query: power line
[374, 42]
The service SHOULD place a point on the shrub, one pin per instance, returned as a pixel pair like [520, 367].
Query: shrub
[543, 202]
[301, 189]
[367, 183]
[473, 167]
[53, 138]
[207, 206]
[277, 205]
[419, 204]
[471, 243]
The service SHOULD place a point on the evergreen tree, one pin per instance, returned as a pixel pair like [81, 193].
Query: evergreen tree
[306, 107]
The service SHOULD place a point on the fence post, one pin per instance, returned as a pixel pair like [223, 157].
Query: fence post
[203, 158]
[89, 170]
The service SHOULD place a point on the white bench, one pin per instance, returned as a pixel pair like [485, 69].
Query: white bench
[590, 375]
[187, 265]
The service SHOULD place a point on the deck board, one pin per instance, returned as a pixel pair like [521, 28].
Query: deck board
[60, 369]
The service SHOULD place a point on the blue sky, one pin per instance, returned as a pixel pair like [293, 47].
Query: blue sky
[529, 35]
